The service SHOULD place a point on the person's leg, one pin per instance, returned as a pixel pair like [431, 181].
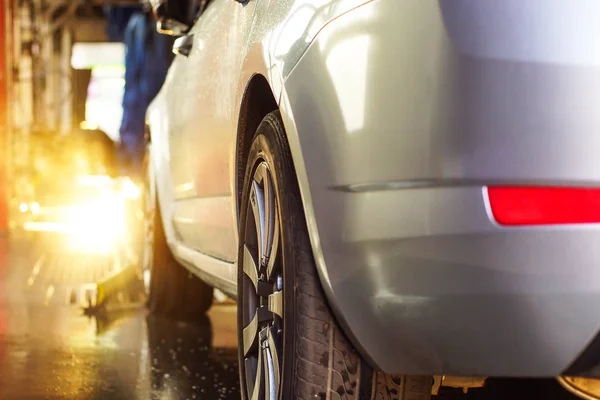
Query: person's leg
[137, 158]
[131, 151]
[131, 154]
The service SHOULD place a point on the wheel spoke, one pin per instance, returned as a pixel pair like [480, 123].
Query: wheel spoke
[273, 247]
[273, 365]
[257, 200]
[258, 388]
[250, 365]
[270, 219]
[250, 268]
[270, 380]
[276, 303]
[250, 334]
[265, 216]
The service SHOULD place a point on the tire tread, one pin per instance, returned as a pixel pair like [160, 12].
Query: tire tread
[174, 292]
[319, 337]
[326, 366]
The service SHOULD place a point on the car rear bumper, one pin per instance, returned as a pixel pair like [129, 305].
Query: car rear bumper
[427, 283]
[418, 106]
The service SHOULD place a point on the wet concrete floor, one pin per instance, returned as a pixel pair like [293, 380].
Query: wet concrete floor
[50, 350]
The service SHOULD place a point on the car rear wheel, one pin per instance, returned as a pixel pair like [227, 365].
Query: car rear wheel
[173, 291]
[290, 346]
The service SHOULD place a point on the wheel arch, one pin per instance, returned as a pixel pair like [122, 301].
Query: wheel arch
[258, 101]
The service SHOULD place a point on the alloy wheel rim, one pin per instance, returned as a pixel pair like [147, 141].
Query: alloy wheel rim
[262, 290]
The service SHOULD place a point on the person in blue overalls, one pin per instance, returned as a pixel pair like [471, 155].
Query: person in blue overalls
[147, 60]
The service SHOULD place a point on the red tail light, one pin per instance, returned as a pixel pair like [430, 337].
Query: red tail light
[544, 205]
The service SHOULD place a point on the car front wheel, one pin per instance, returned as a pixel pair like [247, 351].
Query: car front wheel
[290, 346]
[172, 291]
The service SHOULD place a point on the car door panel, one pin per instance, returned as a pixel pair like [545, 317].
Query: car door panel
[203, 220]
[206, 126]
[179, 163]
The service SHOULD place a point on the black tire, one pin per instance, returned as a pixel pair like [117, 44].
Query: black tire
[318, 360]
[174, 292]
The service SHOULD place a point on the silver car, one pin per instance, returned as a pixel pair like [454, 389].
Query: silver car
[393, 190]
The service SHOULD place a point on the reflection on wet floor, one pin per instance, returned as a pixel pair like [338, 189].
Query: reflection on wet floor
[49, 350]
[188, 365]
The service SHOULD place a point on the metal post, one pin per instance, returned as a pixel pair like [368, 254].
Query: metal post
[22, 106]
[66, 89]
[49, 76]
[25, 111]
[3, 118]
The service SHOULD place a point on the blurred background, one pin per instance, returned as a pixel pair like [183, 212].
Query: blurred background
[64, 83]
[73, 322]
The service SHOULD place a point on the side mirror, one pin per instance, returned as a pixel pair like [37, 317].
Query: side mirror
[175, 17]
[171, 27]
[183, 45]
